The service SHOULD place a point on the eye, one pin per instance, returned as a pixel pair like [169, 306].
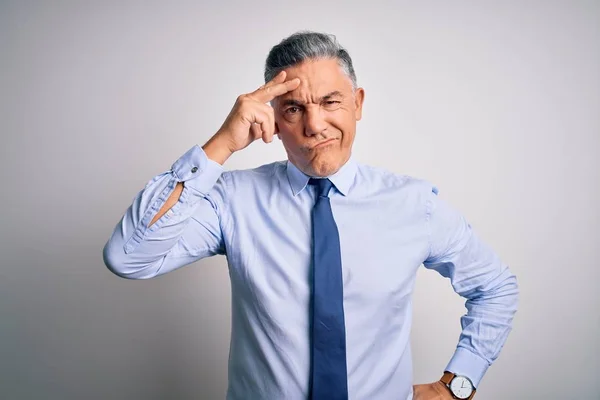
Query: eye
[332, 104]
[292, 110]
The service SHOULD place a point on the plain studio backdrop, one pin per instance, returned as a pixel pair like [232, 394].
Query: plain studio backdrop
[497, 103]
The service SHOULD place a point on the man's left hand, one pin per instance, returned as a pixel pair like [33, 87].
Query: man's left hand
[432, 391]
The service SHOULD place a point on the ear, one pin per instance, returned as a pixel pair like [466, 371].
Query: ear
[359, 97]
[277, 131]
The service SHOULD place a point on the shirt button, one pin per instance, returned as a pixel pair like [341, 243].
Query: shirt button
[194, 170]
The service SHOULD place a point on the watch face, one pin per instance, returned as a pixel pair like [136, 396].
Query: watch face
[461, 387]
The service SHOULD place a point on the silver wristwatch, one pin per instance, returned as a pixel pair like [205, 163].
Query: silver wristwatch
[460, 386]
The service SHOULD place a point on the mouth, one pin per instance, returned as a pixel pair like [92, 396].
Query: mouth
[323, 144]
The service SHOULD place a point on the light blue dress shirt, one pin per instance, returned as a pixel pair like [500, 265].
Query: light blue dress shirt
[389, 225]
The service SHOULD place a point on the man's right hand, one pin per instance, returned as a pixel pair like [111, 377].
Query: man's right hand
[250, 119]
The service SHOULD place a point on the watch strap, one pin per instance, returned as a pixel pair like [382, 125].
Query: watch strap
[447, 377]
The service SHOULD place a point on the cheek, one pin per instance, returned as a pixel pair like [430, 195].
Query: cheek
[290, 129]
[344, 124]
[290, 137]
[293, 123]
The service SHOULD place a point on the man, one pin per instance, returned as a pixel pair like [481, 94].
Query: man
[322, 250]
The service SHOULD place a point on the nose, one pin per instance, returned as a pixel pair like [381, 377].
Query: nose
[314, 123]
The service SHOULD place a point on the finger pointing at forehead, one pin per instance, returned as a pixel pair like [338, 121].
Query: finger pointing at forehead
[280, 77]
[272, 90]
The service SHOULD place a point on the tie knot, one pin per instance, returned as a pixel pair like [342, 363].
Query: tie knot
[323, 185]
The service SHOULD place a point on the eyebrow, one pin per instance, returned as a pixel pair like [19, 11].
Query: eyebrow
[298, 103]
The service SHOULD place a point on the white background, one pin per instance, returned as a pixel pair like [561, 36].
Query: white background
[497, 103]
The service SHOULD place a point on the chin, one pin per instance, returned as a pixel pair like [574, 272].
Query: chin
[325, 167]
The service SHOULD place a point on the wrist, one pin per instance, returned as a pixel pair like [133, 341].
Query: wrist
[217, 149]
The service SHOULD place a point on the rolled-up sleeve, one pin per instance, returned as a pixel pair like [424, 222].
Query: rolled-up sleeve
[477, 274]
[190, 230]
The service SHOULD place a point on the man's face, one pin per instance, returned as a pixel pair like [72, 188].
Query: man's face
[322, 111]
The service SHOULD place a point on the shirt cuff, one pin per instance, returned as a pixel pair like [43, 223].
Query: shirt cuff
[197, 170]
[468, 364]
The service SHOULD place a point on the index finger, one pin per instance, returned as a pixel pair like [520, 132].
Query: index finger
[269, 92]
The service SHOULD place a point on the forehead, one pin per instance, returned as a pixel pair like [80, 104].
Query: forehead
[317, 78]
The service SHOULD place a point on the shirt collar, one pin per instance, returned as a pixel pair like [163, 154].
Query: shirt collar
[342, 179]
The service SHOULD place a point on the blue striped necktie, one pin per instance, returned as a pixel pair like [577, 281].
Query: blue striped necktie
[329, 375]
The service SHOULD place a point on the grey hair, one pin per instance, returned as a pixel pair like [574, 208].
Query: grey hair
[307, 45]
